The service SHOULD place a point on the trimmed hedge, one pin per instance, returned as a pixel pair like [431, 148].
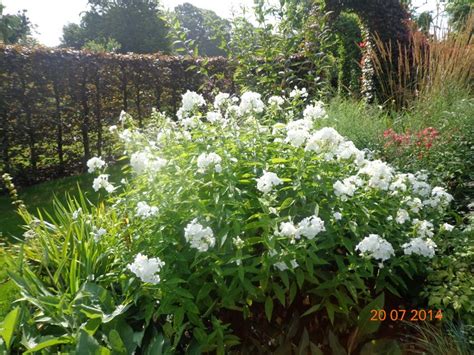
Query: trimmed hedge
[55, 104]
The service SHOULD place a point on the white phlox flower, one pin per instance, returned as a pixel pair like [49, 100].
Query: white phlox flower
[251, 102]
[326, 140]
[97, 233]
[221, 100]
[347, 187]
[375, 247]
[439, 198]
[214, 117]
[143, 210]
[315, 111]
[144, 161]
[424, 229]
[347, 150]
[94, 164]
[211, 160]
[191, 100]
[448, 227]
[298, 93]
[276, 101]
[297, 137]
[310, 227]
[380, 174]
[267, 181]
[402, 216]
[102, 182]
[199, 237]
[287, 229]
[146, 269]
[420, 246]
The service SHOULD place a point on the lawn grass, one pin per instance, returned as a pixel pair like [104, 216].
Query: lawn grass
[41, 197]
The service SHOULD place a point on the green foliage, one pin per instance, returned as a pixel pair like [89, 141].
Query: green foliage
[348, 31]
[136, 25]
[450, 286]
[459, 11]
[102, 45]
[289, 46]
[246, 284]
[14, 28]
[202, 27]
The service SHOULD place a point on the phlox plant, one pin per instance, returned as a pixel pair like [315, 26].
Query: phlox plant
[237, 222]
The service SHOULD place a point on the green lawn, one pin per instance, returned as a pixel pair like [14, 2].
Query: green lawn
[41, 197]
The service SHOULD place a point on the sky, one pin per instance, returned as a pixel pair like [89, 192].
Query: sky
[50, 16]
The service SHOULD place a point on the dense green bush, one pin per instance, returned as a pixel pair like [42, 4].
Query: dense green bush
[250, 225]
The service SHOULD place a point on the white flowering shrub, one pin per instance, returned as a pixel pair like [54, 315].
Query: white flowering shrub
[249, 212]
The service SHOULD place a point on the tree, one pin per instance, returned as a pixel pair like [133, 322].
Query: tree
[14, 28]
[201, 26]
[459, 11]
[136, 25]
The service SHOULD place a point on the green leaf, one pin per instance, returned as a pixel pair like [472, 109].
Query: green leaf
[92, 325]
[269, 308]
[48, 343]
[116, 342]
[335, 345]
[280, 293]
[286, 203]
[8, 326]
[299, 277]
[87, 345]
[311, 310]
[304, 343]
[364, 324]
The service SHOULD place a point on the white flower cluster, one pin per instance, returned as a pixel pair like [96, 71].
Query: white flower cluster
[221, 100]
[215, 117]
[251, 102]
[75, 214]
[267, 181]
[347, 187]
[380, 174]
[414, 203]
[309, 227]
[102, 181]
[420, 246]
[282, 266]
[205, 161]
[146, 269]
[97, 233]
[326, 140]
[424, 229]
[95, 164]
[297, 137]
[439, 198]
[199, 237]
[144, 161]
[402, 216]
[313, 112]
[298, 93]
[144, 210]
[375, 247]
[190, 101]
[347, 150]
[276, 101]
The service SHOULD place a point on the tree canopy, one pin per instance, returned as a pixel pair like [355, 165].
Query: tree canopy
[14, 28]
[202, 26]
[136, 25]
